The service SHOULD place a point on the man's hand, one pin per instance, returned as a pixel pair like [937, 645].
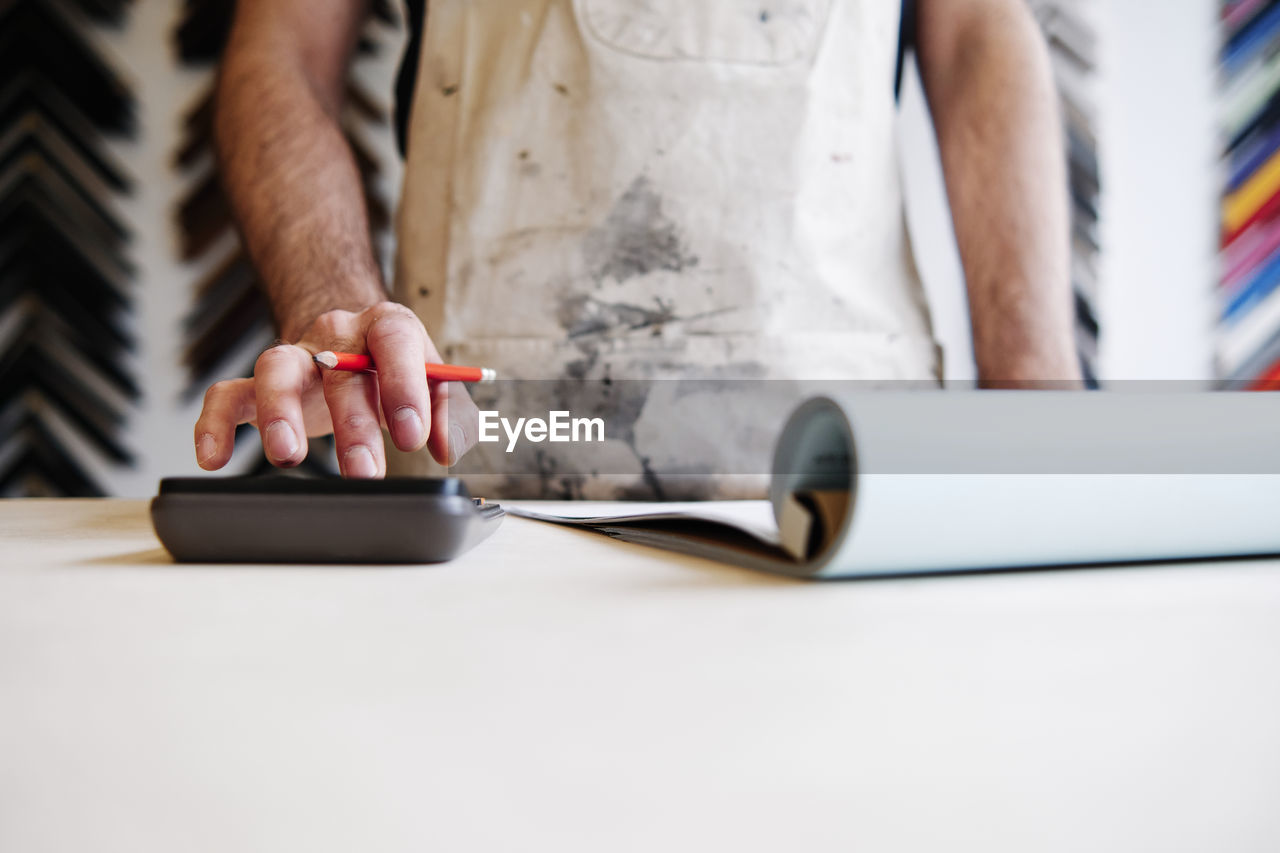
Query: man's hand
[290, 398]
[293, 183]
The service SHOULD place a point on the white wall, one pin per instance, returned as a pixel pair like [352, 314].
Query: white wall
[1161, 187]
[1158, 208]
[160, 431]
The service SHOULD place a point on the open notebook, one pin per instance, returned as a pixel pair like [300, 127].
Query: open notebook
[885, 484]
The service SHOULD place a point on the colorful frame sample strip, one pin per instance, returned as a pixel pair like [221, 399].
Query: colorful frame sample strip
[1247, 339]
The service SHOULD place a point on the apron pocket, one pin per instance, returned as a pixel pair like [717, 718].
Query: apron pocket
[767, 33]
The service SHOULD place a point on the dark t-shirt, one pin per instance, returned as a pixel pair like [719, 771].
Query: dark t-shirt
[416, 12]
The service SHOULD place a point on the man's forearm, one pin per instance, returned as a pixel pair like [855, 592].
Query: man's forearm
[294, 185]
[995, 109]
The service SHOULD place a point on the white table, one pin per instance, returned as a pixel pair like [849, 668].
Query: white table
[557, 690]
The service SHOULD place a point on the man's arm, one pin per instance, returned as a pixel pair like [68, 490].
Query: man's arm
[986, 74]
[284, 160]
[298, 199]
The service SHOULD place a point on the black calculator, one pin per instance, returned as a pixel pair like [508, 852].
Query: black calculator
[289, 519]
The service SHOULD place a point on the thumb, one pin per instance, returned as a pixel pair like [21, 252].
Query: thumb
[455, 423]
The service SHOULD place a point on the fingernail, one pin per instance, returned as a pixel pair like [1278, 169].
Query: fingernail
[457, 442]
[281, 441]
[408, 425]
[359, 464]
[206, 448]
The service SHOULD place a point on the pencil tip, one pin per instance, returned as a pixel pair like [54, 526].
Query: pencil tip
[325, 359]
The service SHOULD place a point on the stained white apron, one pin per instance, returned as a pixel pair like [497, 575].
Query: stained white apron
[661, 188]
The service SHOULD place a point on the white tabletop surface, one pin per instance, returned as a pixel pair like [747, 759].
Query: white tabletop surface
[558, 690]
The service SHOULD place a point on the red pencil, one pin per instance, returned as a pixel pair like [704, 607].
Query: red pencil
[443, 372]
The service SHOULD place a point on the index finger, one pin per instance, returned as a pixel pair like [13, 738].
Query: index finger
[281, 376]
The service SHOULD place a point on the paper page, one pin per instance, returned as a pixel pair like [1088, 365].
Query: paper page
[755, 518]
